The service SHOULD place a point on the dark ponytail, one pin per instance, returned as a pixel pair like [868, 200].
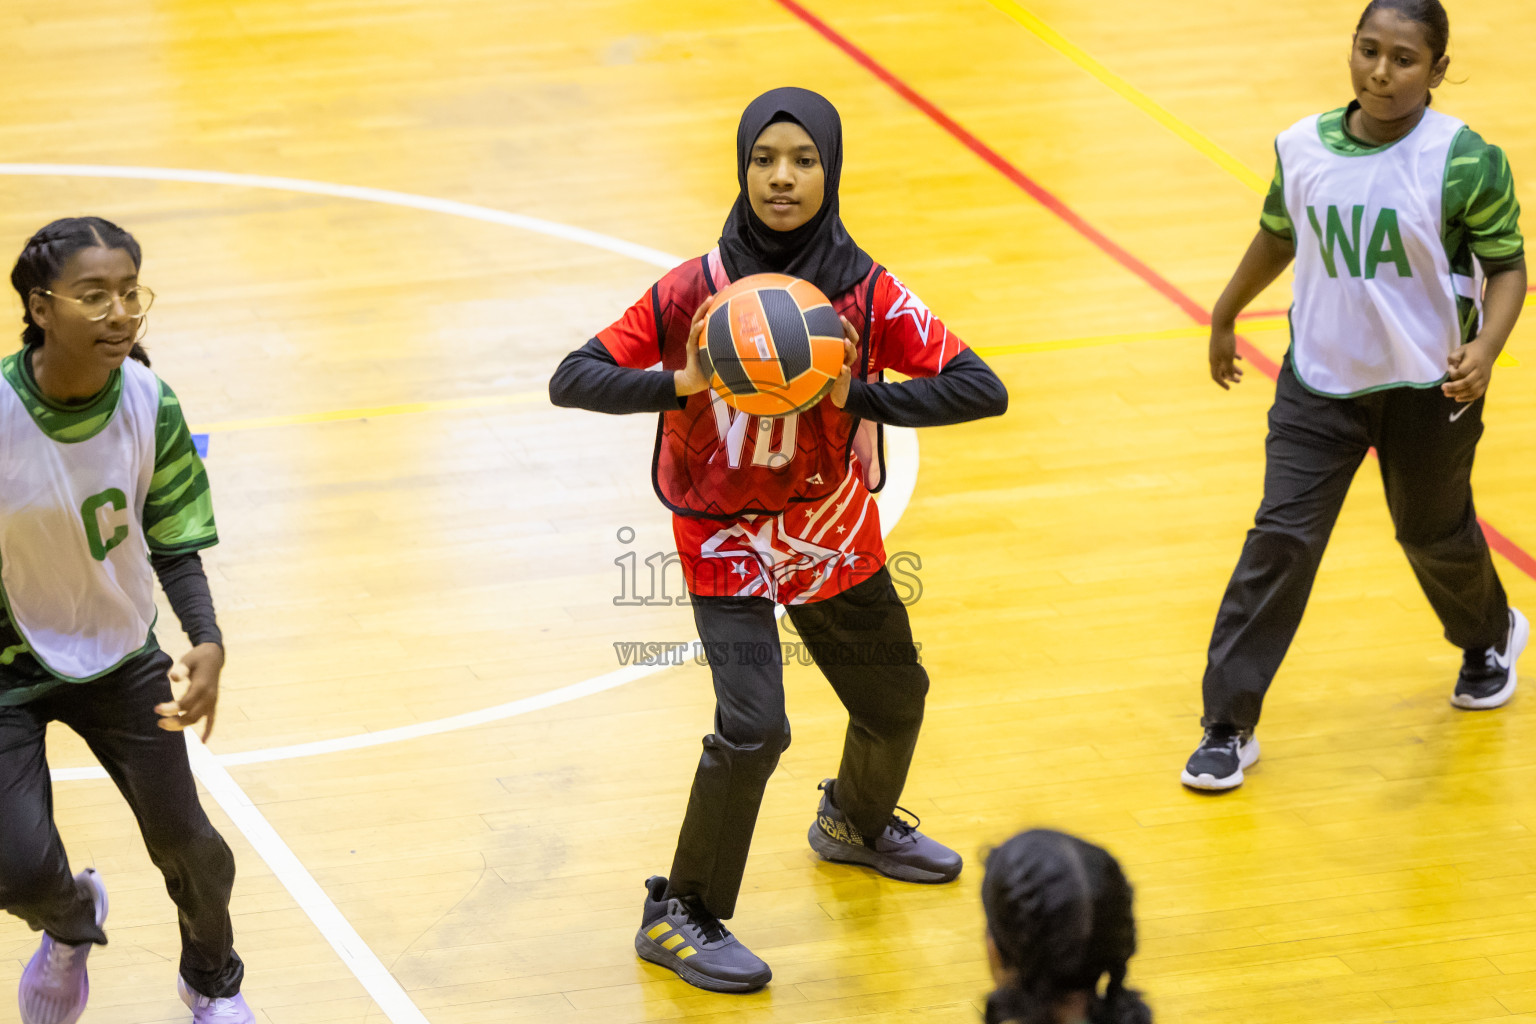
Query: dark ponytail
[1428, 13]
[42, 261]
[1059, 912]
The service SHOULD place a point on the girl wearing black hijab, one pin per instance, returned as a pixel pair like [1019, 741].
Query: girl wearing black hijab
[779, 511]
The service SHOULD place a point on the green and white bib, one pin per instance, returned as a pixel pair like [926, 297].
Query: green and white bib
[1375, 297]
[74, 564]
[86, 492]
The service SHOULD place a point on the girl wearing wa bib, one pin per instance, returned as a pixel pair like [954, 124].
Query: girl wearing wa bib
[1410, 274]
[101, 491]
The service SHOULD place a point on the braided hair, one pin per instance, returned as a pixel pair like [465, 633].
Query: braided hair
[42, 261]
[1059, 912]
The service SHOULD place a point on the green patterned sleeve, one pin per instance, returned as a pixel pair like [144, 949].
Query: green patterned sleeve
[1480, 192]
[178, 514]
[1275, 219]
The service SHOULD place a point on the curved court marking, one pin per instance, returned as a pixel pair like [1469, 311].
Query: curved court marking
[554, 229]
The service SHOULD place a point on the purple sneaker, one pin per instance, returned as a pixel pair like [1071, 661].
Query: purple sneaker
[54, 987]
[900, 851]
[214, 1011]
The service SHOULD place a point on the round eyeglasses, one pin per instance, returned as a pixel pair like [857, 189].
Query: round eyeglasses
[96, 304]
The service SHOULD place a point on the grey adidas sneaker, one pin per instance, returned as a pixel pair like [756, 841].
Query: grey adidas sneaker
[900, 851]
[679, 934]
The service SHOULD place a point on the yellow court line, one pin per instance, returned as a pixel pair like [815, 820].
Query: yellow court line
[1077, 55]
[1255, 325]
[1059, 344]
[526, 397]
[372, 412]
[1263, 323]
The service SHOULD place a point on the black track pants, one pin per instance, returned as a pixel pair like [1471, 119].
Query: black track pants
[1315, 444]
[115, 715]
[862, 642]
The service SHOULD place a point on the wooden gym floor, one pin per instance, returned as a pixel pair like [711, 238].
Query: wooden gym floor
[411, 533]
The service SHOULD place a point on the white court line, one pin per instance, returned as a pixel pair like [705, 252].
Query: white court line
[581, 236]
[349, 945]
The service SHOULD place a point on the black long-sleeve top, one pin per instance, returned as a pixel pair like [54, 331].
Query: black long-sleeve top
[186, 589]
[965, 389]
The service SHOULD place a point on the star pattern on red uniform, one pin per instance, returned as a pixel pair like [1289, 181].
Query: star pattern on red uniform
[911, 306]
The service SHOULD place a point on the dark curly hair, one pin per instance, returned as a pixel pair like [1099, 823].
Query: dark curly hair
[1059, 912]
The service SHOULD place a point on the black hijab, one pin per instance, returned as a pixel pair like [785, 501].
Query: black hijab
[820, 250]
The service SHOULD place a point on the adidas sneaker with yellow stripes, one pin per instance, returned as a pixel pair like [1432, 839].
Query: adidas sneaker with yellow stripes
[679, 934]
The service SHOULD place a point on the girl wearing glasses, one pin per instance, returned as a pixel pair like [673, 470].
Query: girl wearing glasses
[99, 484]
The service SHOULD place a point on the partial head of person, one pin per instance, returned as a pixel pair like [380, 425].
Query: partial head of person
[1397, 56]
[789, 163]
[1060, 933]
[82, 304]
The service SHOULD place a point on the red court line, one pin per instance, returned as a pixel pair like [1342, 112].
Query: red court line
[1002, 166]
[1496, 540]
[1508, 548]
[1249, 351]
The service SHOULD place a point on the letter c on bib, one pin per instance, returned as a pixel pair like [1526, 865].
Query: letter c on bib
[90, 512]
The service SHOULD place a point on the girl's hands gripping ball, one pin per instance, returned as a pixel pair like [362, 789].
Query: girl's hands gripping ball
[772, 345]
[199, 670]
[850, 353]
[695, 374]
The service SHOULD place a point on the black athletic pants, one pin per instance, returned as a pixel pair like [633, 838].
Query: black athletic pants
[862, 642]
[1425, 442]
[115, 715]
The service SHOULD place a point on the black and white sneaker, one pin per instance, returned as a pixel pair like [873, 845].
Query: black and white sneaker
[679, 934]
[1219, 760]
[1488, 674]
